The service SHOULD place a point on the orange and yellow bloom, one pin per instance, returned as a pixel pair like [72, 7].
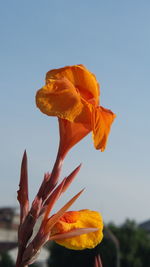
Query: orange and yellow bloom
[72, 220]
[72, 94]
[76, 230]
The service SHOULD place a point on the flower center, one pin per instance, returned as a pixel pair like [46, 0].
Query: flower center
[70, 217]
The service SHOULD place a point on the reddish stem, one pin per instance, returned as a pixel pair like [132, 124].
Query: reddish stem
[19, 256]
[51, 183]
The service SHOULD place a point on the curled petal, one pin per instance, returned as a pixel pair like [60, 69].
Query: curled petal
[81, 78]
[59, 98]
[102, 120]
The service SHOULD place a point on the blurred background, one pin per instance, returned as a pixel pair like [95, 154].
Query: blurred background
[112, 39]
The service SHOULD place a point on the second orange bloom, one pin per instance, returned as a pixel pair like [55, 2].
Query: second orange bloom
[72, 94]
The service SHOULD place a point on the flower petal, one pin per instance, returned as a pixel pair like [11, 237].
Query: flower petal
[81, 78]
[70, 134]
[59, 98]
[101, 123]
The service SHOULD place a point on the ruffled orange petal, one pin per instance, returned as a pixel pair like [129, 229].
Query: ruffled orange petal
[81, 219]
[102, 120]
[70, 134]
[59, 98]
[81, 78]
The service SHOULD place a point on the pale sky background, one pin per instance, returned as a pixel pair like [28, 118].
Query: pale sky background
[112, 39]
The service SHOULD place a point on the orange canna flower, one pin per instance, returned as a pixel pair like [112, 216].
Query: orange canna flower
[73, 220]
[72, 229]
[72, 94]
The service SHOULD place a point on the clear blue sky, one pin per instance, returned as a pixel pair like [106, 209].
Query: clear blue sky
[112, 39]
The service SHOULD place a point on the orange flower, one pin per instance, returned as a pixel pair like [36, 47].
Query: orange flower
[72, 94]
[73, 229]
[73, 220]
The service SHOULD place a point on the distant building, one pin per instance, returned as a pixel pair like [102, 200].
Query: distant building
[9, 222]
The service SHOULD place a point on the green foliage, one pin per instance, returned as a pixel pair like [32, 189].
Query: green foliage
[134, 244]
[5, 260]
[107, 251]
[63, 257]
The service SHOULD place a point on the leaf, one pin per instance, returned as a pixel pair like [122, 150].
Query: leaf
[70, 178]
[61, 212]
[47, 177]
[53, 198]
[23, 189]
[59, 190]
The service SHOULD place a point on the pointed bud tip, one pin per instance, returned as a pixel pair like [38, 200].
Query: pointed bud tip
[81, 191]
[78, 168]
[25, 154]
